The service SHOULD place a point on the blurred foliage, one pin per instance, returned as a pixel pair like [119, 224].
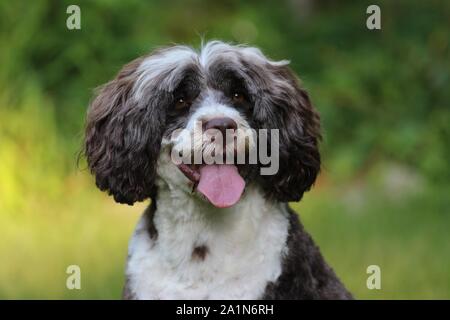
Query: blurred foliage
[381, 93]
[383, 96]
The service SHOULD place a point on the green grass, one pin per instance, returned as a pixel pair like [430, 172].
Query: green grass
[83, 228]
[51, 216]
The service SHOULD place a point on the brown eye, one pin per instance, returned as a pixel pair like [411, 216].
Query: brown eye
[238, 97]
[182, 103]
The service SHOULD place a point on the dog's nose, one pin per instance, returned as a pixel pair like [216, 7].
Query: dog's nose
[221, 124]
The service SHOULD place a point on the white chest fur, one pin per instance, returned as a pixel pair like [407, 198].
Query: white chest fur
[245, 245]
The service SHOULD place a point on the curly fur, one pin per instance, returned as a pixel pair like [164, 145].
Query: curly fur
[123, 138]
[128, 130]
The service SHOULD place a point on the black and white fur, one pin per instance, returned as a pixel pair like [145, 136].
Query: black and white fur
[183, 247]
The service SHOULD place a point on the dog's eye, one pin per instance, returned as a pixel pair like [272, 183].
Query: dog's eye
[238, 97]
[182, 103]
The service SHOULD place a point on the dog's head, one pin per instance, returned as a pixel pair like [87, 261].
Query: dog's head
[191, 118]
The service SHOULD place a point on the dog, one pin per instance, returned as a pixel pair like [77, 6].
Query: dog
[212, 230]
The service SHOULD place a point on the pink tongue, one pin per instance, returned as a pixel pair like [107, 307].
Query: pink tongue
[221, 184]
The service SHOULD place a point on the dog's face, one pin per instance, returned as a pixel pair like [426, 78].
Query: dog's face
[199, 115]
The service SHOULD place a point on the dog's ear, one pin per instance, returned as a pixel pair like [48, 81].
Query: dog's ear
[123, 137]
[284, 105]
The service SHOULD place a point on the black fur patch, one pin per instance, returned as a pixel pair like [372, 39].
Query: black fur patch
[150, 213]
[127, 294]
[199, 253]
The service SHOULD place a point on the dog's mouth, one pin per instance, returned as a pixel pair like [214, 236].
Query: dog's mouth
[221, 184]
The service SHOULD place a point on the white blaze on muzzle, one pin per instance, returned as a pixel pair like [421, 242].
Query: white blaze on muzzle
[206, 151]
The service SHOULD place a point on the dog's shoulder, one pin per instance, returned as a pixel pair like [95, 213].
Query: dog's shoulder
[305, 274]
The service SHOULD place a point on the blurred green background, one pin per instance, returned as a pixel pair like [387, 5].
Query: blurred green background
[382, 197]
